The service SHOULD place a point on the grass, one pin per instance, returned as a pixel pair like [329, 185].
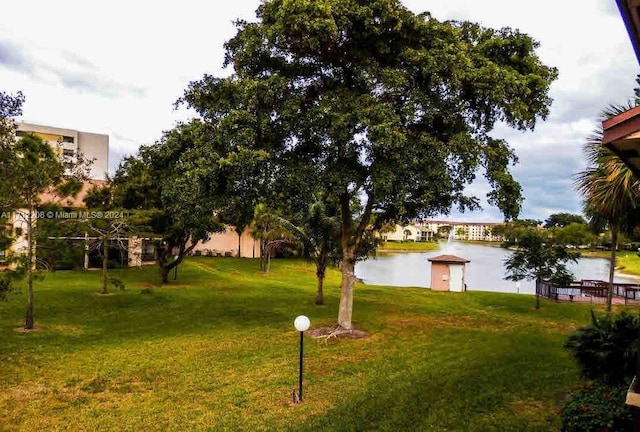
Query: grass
[409, 246]
[216, 350]
[628, 262]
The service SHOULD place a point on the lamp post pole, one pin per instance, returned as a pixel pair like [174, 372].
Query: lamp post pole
[175, 273]
[301, 324]
[301, 356]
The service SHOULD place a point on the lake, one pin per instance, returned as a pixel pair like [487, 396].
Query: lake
[485, 272]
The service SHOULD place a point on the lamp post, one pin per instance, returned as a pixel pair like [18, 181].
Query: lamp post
[301, 323]
[175, 273]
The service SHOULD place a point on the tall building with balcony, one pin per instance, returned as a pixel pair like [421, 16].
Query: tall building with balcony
[71, 142]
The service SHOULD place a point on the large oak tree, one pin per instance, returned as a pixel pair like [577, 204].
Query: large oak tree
[374, 102]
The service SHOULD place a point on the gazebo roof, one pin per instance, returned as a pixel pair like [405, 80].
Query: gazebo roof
[450, 259]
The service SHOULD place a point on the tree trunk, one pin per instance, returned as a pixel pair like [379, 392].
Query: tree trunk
[347, 269]
[164, 273]
[162, 259]
[537, 293]
[262, 255]
[320, 291]
[612, 265]
[268, 263]
[239, 238]
[105, 260]
[29, 320]
[321, 268]
[349, 243]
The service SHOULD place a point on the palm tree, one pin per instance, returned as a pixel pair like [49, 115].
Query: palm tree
[274, 233]
[610, 190]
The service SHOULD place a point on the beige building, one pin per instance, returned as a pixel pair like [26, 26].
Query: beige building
[71, 142]
[476, 231]
[227, 243]
[407, 233]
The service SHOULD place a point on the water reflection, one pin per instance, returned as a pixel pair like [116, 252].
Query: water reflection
[485, 272]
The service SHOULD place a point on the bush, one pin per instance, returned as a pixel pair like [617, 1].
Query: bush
[5, 287]
[117, 283]
[597, 408]
[606, 350]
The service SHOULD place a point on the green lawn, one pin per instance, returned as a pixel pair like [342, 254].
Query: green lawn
[628, 262]
[408, 246]
[216, 350]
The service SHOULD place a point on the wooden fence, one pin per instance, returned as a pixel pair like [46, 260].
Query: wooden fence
[590, 291]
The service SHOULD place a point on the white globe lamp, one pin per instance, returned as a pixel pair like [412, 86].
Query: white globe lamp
[301, 323]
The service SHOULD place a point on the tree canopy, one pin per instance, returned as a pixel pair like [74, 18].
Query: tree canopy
[176, 186]
[538, 258]
[10, 108]
[563, 219]
[373, 102]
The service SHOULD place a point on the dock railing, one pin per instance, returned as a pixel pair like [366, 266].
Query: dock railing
[590, 291]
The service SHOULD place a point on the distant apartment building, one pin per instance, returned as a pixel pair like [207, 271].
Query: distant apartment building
[408, 233]
[479, 231]
[92, 146]
[70, 142]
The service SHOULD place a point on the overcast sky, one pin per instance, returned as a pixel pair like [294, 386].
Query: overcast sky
[117, 67]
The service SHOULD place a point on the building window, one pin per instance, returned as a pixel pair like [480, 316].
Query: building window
[20, 133]
[68, 152]
[67, 139]
[148, 251]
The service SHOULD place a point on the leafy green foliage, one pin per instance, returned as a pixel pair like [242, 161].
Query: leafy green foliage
[10, 107]
[512, 230]
[99, 197]
[55, 252]
[563, 219]
[597, 408]
[5, 286]
[274, 232]
[536, 258]
[175, 188]
[606, 350]
[573, 234]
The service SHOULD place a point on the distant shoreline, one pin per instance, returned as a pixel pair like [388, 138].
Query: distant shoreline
[627, 275]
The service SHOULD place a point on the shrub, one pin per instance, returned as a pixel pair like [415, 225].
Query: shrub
[606, 350]
[597, 408]
[117, 283]
[5, 286]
